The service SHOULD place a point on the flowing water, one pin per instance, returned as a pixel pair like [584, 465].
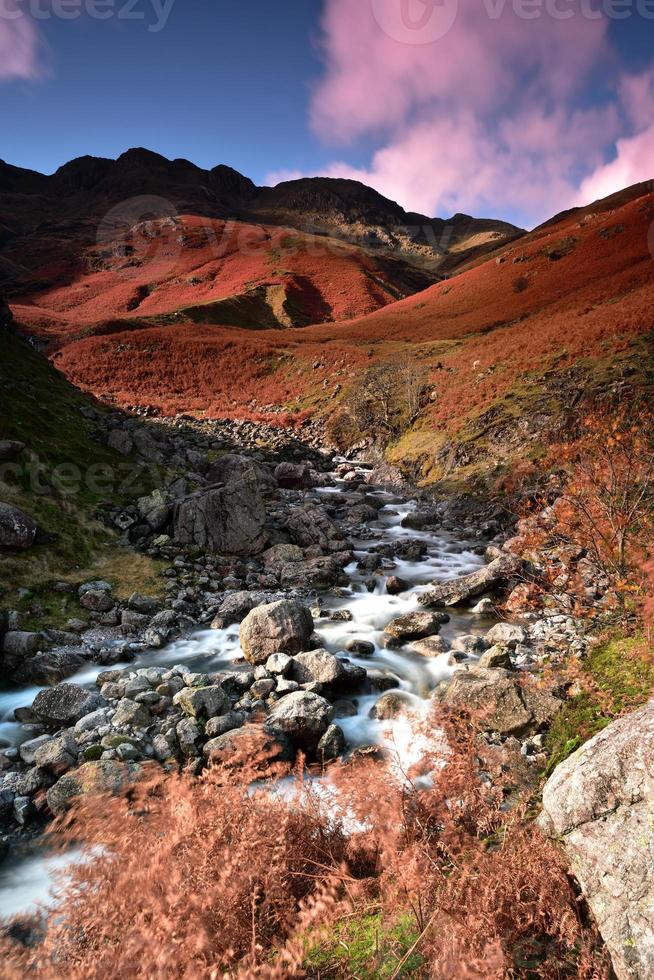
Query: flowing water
[27, 879]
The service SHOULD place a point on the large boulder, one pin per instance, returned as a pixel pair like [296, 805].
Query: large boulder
[320, 667]
[599, 802]
[316, 573]
[251, 748]
[225, 520]
[17, 530]
[415, 626]
[499, 701]
[309, 526]
[104, 776]
[293, 476]
[303, 717]
[65, 704]
[452, 593]
[202, 702]
[232, 467]
[278, 627]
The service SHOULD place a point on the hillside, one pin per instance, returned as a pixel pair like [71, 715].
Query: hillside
[48, 222]
[570, 304]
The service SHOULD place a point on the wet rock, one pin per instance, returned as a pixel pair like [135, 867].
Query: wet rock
[431, 646]
[303, 717]
[321, 667]
[362, 648]
[484, 579]
[485, 607]
[332, 744]
[227, 520]
[64, 705]
[285, 626]
[396, 585]
[393, 704]
[415, 626]
[202, 702]
[599, 802]
[104, 776]
[17, 530]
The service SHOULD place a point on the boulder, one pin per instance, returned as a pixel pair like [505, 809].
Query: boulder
[57, 755]
[64, 705]
[280, 555]
[396, 585]
[17, 530]
[103, 776]
[233, 467]
[415, 626]
[321, 667]
[202, 702]
[310, 526]
[48, 668]
[121, 442]
[453, 593]
[502, 704]
[253, 748]
[155, 509]
[278, 627]
[303, 717]
[496, 657]
[97, 600]
[431, 646]
[506, 635]
[17, 645]
[332, 745]
[392, 705]
[316, 573]
[225, 520]
[131, 714]
[233, 609]
[293, 476]
[599, 803]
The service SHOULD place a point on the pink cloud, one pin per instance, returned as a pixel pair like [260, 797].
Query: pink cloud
[19, 44]
[634, 163]
[490, 118]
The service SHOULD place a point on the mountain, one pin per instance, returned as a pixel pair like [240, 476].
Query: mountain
[46, 221]
[510, 344]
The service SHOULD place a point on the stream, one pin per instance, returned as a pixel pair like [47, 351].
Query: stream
[27, 878]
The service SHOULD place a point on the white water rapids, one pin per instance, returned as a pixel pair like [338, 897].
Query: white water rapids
[27, 879]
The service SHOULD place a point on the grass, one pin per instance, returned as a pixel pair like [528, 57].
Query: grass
[366, 948]
[620, 676]
[61, 479]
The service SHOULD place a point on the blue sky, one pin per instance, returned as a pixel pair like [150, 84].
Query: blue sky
[314, 86]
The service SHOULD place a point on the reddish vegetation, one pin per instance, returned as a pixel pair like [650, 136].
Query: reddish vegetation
[578, 288]
[168, 265]
[243, 886]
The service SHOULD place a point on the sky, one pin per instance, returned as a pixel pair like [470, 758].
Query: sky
[501, 108]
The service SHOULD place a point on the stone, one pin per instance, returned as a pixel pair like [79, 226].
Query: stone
[332, 745]
[310, 526]
[252, 747]
[155, 509]
[202, 702]
[315, 573]
[497, 656]
[453, 593]
[430, 646]
[484, 607]
[97, 586]
[143, 604]
[280, 663]
[121, 442]
[280, 555]
[95, 719]
[57, 755]
[233, 609]
[293, 476]
[64, 705]
[225, 520]
[46, 668]
[18, 644]
[233, 467]
[392, 705]
[362, 648]
[10, 449]
[303, 717]
[395, 585]
[415, 626]
[129, 714]
[103, 776]
[319, 666]
[501, 703]
[97, 600]
[28, 750]
[285, 626]
[599, 803]
[17, 530]
[506, 635]
[225, 723]
[188, 736]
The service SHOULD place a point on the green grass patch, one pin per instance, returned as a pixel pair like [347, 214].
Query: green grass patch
[621, 678]
[366, 948]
